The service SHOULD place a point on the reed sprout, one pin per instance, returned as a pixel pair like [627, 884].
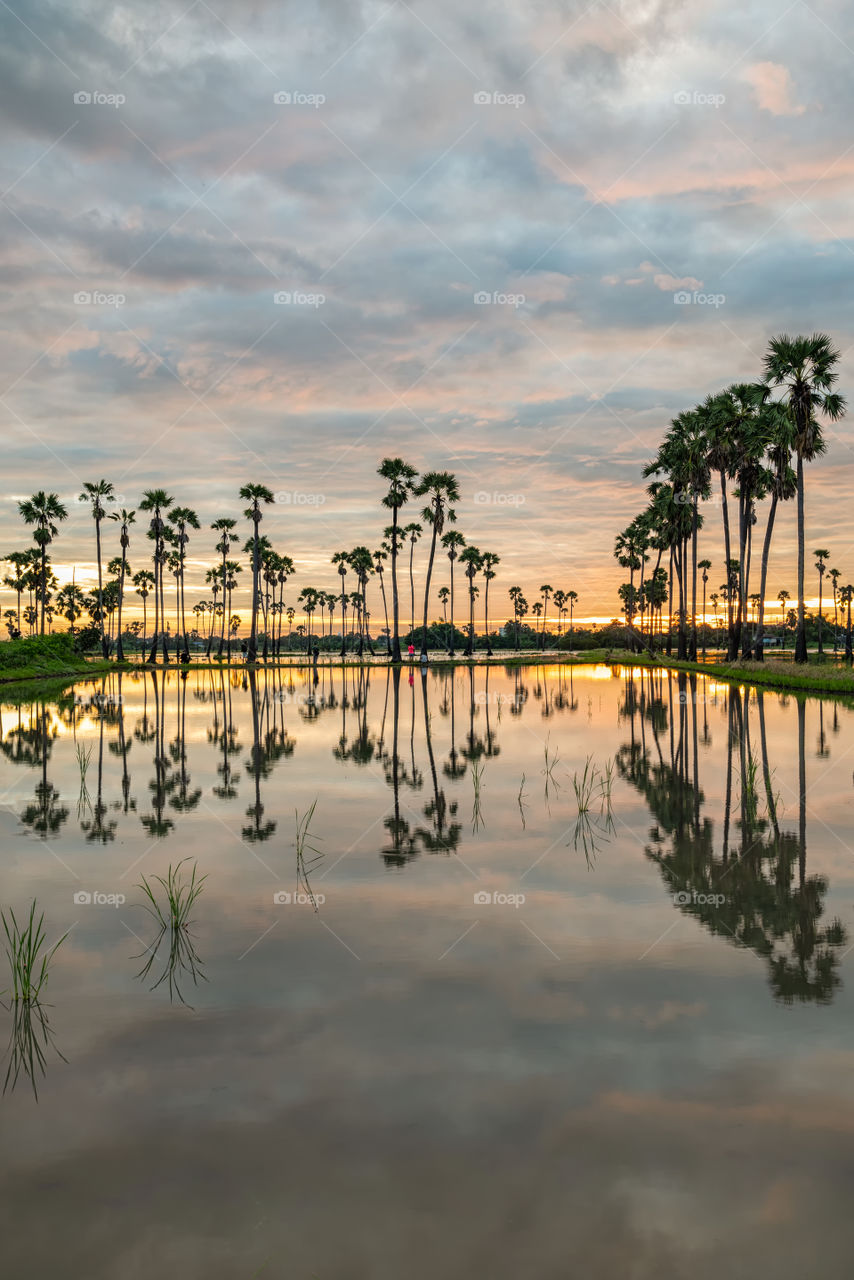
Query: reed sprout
[29, 958]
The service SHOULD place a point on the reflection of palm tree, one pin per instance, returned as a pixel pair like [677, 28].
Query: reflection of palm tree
[755, 900]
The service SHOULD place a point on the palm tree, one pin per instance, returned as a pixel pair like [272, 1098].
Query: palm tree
[821, 558]
[255, 494]
[806, 368]
[559, 602]
[413, 531]
[144, 583]
[17, 581]
[705, 565]
[775, 426]
[362, 564]
[835, 575]
[473, 561]
[184, 518]
[342, 560]
[225, 527]
[453, 541]
[401, 477]
[44, 510]
[515, 594]
[71, 603]
[488, 561]
[783, 596]
[572, 596]
[440, 488]
[97, 492]
[846, 594]
[380, 557]
[157, 501]
[545, 591]
[124, 518]
[443, 593]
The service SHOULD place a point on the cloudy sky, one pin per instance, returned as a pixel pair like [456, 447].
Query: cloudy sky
[380, 167]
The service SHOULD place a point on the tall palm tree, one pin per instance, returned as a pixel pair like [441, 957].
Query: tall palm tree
[571, 596]
[362, 564]
[45, 511]
[342, 560]
[442, 594]
[185, 518]
[775, 426]
[806, 368]
[705, 565]
[488, 561]
[255, 494]
[472, 559]
[834, 576]
[515, 594]
[157, 501]
[17, 581]
[413, 532]
[143, 581]
[453, 542]
[559, 602]
[545, 592]
[225, 527]
[125, 519]
[821, 558]
[97, 492]
[440, 489]
[401, 477]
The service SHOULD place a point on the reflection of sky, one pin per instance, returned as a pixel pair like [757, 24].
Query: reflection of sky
[384, 1052]
[666, 149]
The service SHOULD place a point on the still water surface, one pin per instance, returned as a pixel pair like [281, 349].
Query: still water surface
[468, 1032]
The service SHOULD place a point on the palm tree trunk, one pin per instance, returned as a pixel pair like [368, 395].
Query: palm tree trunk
[801, 637]
[727, 548]
[100, 587]
[395, 600]
[152, 656]
[427, 590]
[759, 646]
[693, 653]
[451, 648]
[120, 653]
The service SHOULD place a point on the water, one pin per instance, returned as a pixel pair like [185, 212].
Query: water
[467, 1034]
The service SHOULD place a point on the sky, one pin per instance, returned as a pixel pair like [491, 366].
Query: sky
[279, 242]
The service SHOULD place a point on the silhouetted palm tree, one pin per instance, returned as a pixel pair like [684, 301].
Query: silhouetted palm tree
[124, 519]
[440, 488]
[45, 511]
[255, 494]
[401, 477]
[806, 368]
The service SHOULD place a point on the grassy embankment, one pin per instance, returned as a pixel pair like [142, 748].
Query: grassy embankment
[811, 677]
[45, 658]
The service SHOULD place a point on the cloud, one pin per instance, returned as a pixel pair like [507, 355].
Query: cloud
[773, 89]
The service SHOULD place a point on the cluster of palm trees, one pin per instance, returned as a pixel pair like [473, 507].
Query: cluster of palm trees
[170, 527]
[758, 442]
[563, 601]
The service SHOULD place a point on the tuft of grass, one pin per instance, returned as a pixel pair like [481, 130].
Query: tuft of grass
[593, 784]
[520, 800]
[29, 958]
[181, 894]
[584, 785]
